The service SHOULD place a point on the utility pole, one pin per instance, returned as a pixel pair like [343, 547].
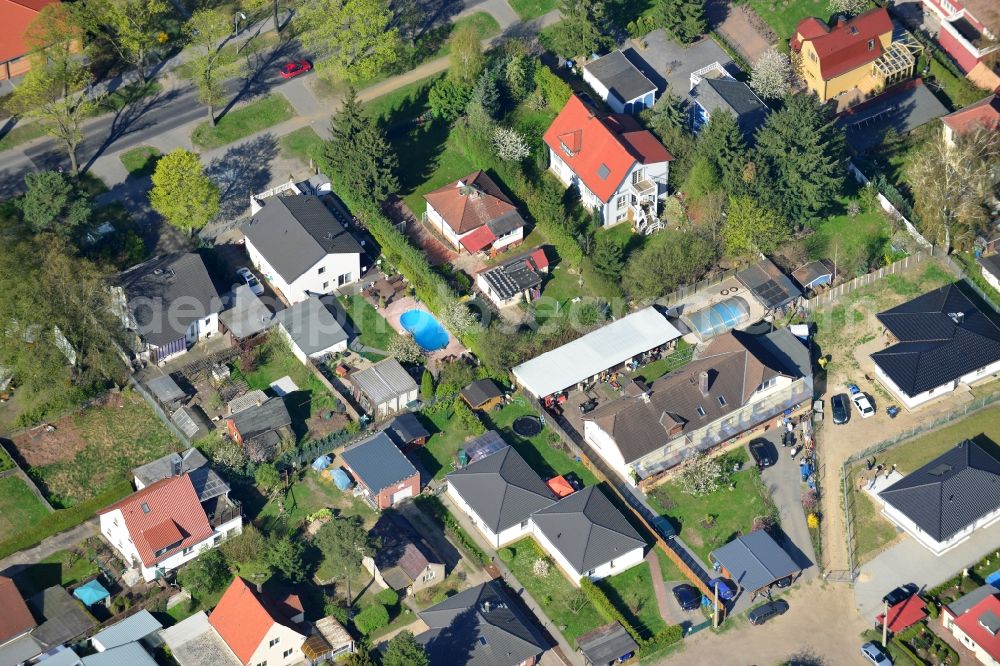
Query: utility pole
[885, 624]
[715, 612]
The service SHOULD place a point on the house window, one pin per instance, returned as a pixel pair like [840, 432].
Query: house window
[208, 322]
[326, 285]
[722, 400]
[621, 202]
[286, 654]
[701, 411]
[611, 564]
[590, 573]
[768, 383]
[524, 523]
[188, 550]
[429, 575]
[274, 641]
[638, 175]
[344, 279]
[871, 44]
[322, 269]
[566, 149]
[812, 56]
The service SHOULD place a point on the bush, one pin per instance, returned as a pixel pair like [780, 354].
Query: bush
[607, 609]
[553, 89]
[387, 597]
[371, 619]
[338, 611]
[932, 610]
[661, 639]
[506, 554]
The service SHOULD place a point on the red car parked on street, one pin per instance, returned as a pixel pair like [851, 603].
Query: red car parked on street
[294, 68]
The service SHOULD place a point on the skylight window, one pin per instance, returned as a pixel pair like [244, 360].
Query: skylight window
[603, 172]
[722, 400]
[144, 507]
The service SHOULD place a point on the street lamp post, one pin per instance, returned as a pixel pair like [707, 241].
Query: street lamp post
[239, 16]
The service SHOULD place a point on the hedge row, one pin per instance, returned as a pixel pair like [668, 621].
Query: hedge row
[433, 506]
[63, 519]
[661, 639]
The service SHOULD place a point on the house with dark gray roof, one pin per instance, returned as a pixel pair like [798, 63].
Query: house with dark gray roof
[260, 429]
[607, 645]
[384, 388]
[245, 315]
[588, 536]
[942, 503]
[380, 469]
[403, 561]
[713, 88]
[617, 81]
[737, 382]
[313, 327]
[754, 561]
[484, 625]
[934, 343]
[406, 430]
[499, 493]
[301, 248]
[168, 303]
[516, 279]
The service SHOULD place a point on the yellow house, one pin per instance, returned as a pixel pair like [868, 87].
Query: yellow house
[862, 53]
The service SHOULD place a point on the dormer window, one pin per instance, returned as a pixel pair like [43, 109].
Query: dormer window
[871, 44]
[701, 411]
[566, 149]
[722, 400]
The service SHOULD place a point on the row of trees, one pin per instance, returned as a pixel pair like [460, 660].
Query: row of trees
[587, 25]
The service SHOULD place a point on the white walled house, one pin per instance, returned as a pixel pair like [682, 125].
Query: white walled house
[169, 303]
[164, 525]
[974, 619]
[944, 502]
[301, 248]
[990, 268]
[936, 342]
[619, 168]
[515, 280]
[738, 382]
[474, 215]
[312, 328]
[259, 630]
[617, 81]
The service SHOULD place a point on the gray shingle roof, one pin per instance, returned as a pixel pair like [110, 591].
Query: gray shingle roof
[502, 489]
[903, 109]
[950, 492]
[269, 415]
[133, 628]
[480, 391]
[405, 428]
[606, 644]
[933, 346]
[294, 233]
[991, 264]
[206, 482]
[967, 602]
[480, 626]
[65, 617]
[165, 389]
[245, 315]
[588, 529]
[755, 560]
[620, 76]
[378, 463]
[313, 324]
[384, 381]
[153, 286]
[733, 96]
[130, 654]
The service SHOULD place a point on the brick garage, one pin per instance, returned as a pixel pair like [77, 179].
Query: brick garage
[381, 470]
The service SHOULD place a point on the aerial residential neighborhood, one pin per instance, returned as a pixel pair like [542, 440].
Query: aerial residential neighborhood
[501, 333]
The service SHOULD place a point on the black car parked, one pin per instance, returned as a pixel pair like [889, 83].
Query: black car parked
[841, 408]
[762, 614]
[687, 596]
[901, 593]
[760, 449]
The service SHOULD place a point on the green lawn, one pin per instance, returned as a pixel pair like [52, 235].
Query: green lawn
[302, 143]
[23, 132]
[5, 460]
[434, 160]
[632, 593]
[140, 161]
[373, 329]
[60, 568]
[438, 454]
[309, 494]
[114, 438]
[529, 9]
[731, 511]
[855, 243]
[19, 507]
[783, 16]
[230, 63]
[872, 531]
[484, 24]
[403, 105]
[244, 121]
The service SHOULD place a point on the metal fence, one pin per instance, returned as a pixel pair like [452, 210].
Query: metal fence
[684, 291]
[846, 288]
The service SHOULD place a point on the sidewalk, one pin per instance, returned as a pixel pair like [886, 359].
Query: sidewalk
[13, 564]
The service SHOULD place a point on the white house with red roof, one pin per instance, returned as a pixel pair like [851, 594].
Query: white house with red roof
[473, 214]
[516, 279]
[983, 115]
[260, 630]
[968, 33]
[620, 168]
[974, 620]
[164, 525]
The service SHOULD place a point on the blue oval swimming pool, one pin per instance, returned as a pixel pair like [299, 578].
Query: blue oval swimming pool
[426, 330]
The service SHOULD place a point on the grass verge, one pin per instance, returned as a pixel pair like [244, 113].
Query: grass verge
[244, 121]
[531, 9]
[302, 144]
[140, 161]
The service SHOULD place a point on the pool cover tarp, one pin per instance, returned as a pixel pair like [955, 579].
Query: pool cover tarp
[321, 463]
[91, 593]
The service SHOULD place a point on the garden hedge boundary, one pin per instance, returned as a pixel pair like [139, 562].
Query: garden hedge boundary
[441, 515]
[63, 519]
[661, 639]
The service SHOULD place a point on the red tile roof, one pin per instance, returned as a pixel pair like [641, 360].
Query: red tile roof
[161, 514]
[845, 47]
[969, 622]
[602, 149]
[984, 113]
[470, 202]
[904, 614]
[15, 618]
[242, 618]
[538, 256]
[809, 28]
[478, 239]
[15, 15]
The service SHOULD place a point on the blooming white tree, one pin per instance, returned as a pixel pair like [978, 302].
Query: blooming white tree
[540, 567]
[771, 76]
[849, 7]
[405, 349]
[700, 474]
[458, 318]
[509, 144]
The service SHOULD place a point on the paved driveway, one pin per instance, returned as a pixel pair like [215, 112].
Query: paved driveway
[669, 64]
[909, 562]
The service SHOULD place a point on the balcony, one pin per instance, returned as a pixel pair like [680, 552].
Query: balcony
[223, 513]
[642, 191]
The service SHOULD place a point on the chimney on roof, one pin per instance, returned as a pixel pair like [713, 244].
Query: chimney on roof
[703, 383]
[175, 465]
[957, 317]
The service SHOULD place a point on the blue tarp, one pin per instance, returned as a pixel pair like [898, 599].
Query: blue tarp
[321, 463]
[993, 578]
[341, 479]
[91, 593]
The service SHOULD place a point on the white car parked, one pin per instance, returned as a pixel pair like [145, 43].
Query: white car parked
[863, 404]
[255, 286]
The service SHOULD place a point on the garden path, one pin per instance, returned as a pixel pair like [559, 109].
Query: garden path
[659, 588]
[11, 565]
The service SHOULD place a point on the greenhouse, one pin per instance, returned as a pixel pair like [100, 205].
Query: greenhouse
[719, 318]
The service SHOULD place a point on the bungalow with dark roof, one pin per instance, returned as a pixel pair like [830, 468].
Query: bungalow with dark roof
[754, 562]
[381, 471]
[713, 88]
[260, 429]
[403, 561]
[474, 214]
[617, 81]
[619, 167]
[515, 280]
[934, 343]
[313, 328]
[942, 503]
[864, 54]
[301, 248]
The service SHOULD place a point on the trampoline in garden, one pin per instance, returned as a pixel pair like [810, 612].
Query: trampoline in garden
[719, 318]
[527, 426]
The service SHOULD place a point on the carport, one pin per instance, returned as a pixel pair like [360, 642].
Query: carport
[754, 562]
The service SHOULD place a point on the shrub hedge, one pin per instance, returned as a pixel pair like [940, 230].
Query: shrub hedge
[371, 619]
[661, 639]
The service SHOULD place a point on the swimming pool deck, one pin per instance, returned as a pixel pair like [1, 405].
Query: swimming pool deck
[394, 311]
